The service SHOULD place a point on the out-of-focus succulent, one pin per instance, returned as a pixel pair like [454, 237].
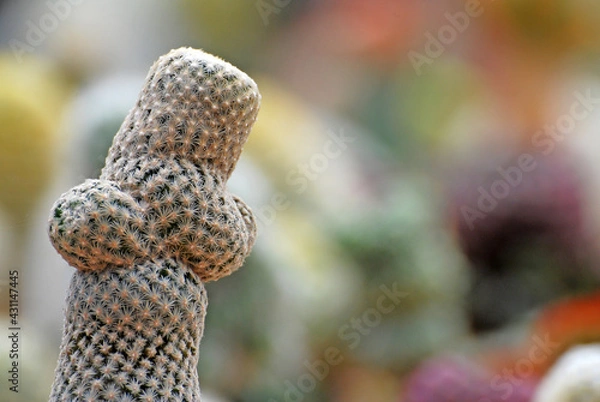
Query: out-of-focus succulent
[565, 324]
[402, 241]
[454, 379]
[523, 231]
[93, 118]
[545, 28]
[32, 96]
[574, 377]
[250, 21]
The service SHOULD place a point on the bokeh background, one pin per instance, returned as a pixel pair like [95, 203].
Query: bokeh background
[424, 173]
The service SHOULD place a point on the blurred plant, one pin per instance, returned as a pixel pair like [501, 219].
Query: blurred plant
[568, 322]
[94, 116]
[155, 226]
[530, 242]
[358, 383]
[380, 31]
[431, 103]
[237, 352]
[402, 240]
[455, 379]
[545, 26]
[32, 96]
[526, 49]
[573, 378]
[250, 30]
[277, 154]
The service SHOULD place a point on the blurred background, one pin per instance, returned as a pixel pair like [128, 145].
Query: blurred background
[424, 175]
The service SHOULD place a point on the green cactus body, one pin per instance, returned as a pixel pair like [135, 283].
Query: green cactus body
[148, 233]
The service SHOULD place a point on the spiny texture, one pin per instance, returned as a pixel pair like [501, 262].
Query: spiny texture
[162, 192]
[147, 234]
[132, 333]
[574, 378]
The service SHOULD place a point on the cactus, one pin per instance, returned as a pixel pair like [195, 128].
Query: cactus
[148, 234]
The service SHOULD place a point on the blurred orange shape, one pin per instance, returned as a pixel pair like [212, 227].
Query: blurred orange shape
[569, 322]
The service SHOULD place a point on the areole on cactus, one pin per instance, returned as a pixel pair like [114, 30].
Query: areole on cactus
[148, 233]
